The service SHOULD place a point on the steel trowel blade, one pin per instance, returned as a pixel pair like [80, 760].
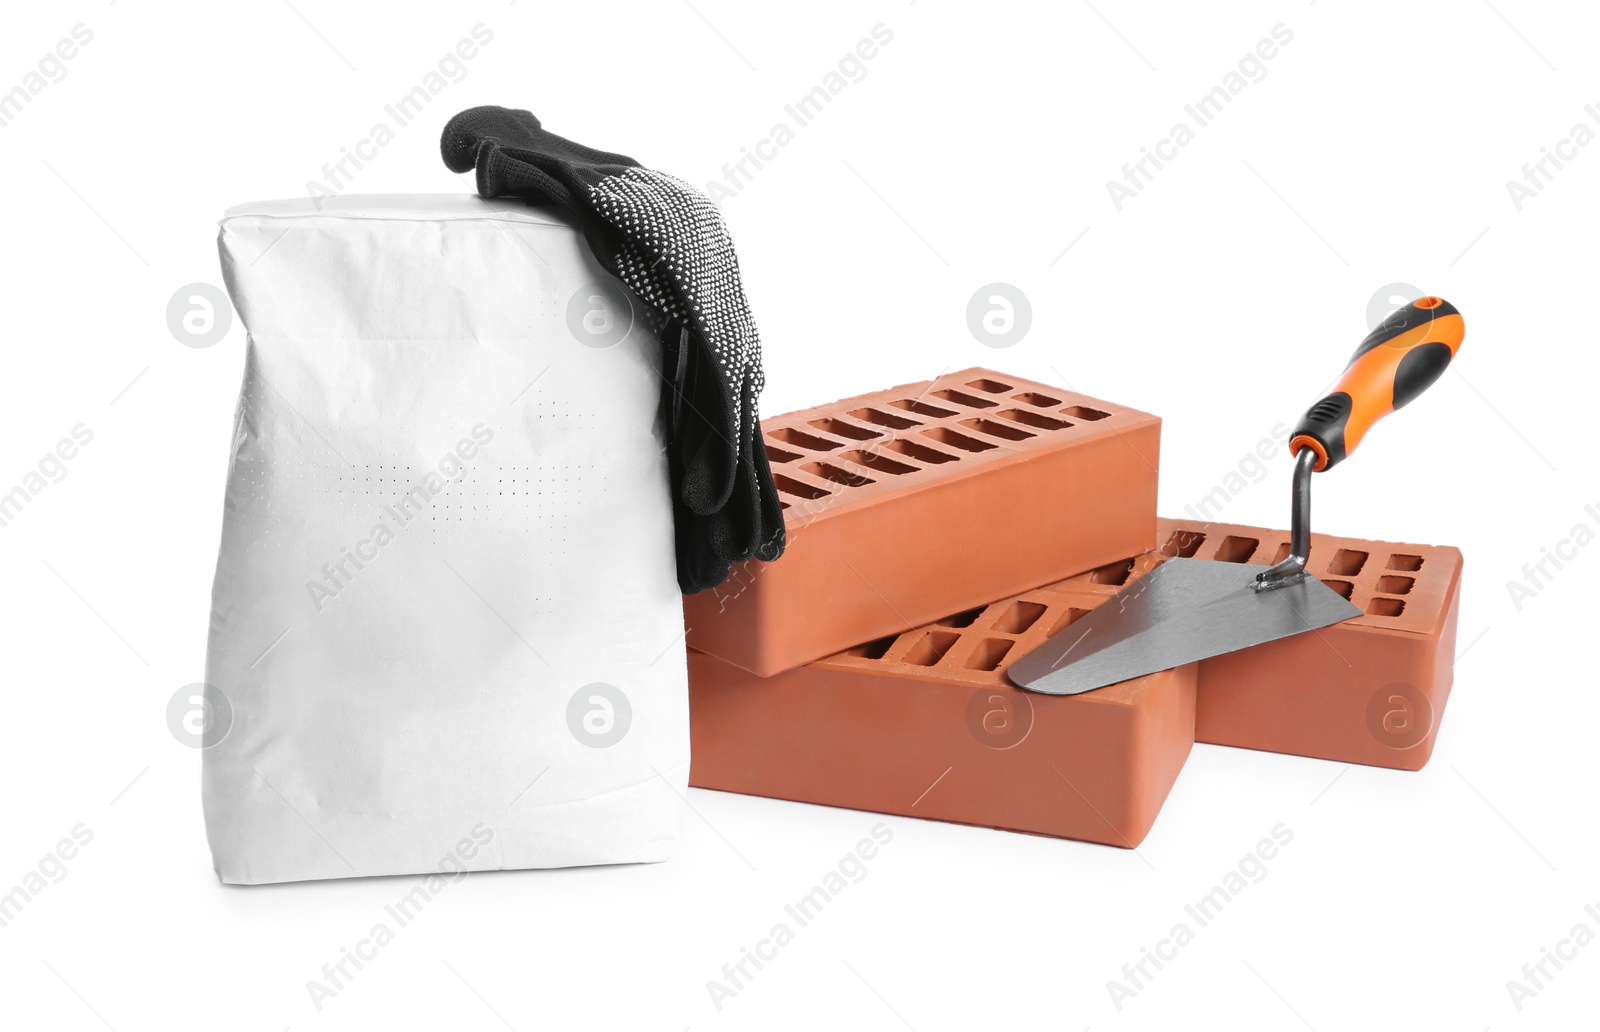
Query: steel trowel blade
[1184, 610]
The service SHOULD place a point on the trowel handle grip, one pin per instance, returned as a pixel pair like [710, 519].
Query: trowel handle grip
[1397, 361]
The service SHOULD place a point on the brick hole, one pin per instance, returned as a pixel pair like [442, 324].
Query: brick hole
[1235, 549]
[873, 649]
[1084, 413]
[776, 455]
[1019, 616]
[1343, 587]
[801, 439]
[922, 453]
[1408, 563]
[1033, 419]
[839, 476]
[1036, 399]
[1000, 430]
[966, 400]
[990, 386]
[944, 435]
[881, 418]
[1067, 618]
[1347, 562]
[922, 408]
[1392, 585]
[880, 463]
[793, 487]
[1183, 544]
[839, 428]
[930, 647]
[989, 653]
[1381, 606]
[963, 619]
[1115, 574]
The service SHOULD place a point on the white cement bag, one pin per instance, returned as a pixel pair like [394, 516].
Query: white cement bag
[446, 629]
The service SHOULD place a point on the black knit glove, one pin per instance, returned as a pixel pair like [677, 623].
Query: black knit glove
[666, 242]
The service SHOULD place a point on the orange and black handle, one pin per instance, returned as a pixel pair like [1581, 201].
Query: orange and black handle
[1399, 360]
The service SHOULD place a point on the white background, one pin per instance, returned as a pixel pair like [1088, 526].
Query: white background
[976, 149]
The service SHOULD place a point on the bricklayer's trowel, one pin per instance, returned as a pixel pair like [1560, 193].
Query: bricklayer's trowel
[1191, 609]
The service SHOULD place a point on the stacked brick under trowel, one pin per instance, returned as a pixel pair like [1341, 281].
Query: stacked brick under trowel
[940, 530]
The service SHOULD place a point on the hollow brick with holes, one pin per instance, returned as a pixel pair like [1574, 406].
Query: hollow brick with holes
[907, 504]
[1370, 690]
[924, 724]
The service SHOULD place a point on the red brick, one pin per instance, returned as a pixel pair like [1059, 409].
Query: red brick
[1370, 690]
[926, 499]
[924, 724]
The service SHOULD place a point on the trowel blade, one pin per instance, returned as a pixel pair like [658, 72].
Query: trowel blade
[1184, 610]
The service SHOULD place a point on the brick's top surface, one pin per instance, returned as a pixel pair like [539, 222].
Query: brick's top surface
[834, 457]
[1398, 587]
[972, 648]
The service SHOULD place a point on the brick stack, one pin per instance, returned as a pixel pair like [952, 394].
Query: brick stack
[940, 530]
